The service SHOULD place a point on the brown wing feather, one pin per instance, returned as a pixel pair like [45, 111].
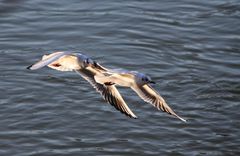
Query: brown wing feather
[109, 93]
[148, 94]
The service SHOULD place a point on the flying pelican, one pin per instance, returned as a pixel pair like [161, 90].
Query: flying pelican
[105, 80]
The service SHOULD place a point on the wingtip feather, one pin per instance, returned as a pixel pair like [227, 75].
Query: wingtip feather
[29, 67]
[134, 117]
[181, 118]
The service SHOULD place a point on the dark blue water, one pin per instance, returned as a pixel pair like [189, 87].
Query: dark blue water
[190, 48]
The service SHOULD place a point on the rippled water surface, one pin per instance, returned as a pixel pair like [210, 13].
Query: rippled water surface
[190, 48]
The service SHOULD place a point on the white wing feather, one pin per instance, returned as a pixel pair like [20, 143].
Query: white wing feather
[47, 60]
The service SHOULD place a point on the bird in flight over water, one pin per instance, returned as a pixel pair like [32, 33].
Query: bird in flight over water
[105, 80]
